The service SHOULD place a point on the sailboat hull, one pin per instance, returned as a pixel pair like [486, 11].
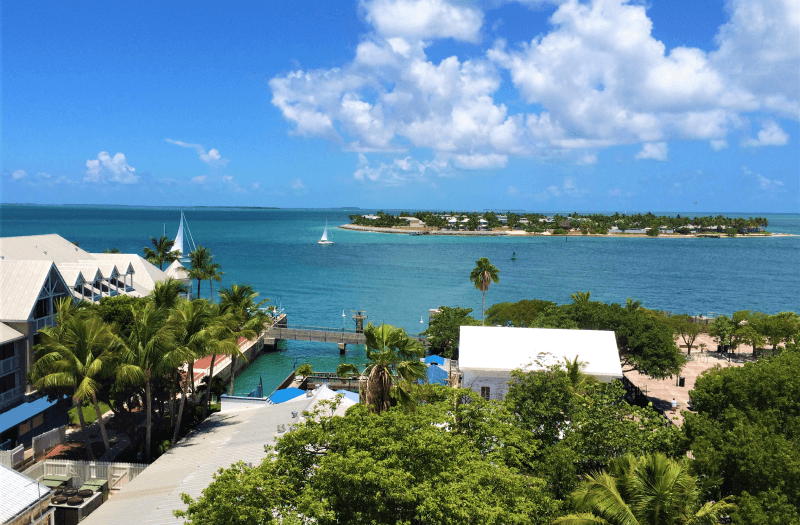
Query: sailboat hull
[325, 243]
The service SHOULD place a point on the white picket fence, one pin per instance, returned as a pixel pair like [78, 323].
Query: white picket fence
[43, 442]
[117, 474]
[12, 458]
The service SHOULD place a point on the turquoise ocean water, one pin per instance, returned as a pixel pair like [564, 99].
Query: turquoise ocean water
[397, 278]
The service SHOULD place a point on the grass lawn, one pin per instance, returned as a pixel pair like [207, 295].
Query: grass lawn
[88, 414]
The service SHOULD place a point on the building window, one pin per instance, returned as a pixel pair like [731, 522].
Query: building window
[38, 421]
[24, 428]
[485, 392]
[7, 351]
[8, 382]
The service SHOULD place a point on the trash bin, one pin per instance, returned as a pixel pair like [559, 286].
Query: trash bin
[681, 381]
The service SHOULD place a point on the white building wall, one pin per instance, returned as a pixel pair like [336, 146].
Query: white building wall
[497, 381]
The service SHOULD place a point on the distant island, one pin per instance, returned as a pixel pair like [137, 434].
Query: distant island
[493, 224]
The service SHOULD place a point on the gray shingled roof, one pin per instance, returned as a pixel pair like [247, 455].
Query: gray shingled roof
[8, 334]
[222, 440]
[18, 493]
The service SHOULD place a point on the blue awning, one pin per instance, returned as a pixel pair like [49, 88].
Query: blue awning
[24, 412]
[439, 360]
[286, 394]
[437, 375]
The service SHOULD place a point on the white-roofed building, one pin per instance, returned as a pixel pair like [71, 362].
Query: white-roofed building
[488, 354]
[23, 501]
[35, 271]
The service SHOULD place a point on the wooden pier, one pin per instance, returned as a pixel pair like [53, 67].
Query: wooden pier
[322, 335]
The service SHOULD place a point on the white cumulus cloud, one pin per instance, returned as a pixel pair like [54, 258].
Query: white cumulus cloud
[771, 134]
[110, 169]
[597, 78]
[200, 179]
[653, 150]
[19, 174]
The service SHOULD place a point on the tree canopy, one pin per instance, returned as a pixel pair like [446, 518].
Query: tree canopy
[444, 329]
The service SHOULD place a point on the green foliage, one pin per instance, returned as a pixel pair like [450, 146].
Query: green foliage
[562, 408]
[652, 232]
[483, 275]
[747, 432]
[524, 313]
[161, 252]
[440, 464]
[118, 311]
[648, 490]
[687, 330]
[394, 365]
[304, 370]
[89, 414]
[443, 332]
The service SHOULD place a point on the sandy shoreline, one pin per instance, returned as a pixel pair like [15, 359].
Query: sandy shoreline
[519, 233]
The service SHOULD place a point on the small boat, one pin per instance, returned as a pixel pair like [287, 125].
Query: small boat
[514, 256]
[324, 239]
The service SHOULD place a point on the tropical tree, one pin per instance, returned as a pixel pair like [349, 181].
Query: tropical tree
[190, 324]
[247, 318]
[482, 276]
[146, 354]
[650, 490]
[582, 297]
[161, 252]
[394, 362]
[346, 370]
[304, 370]
[688, 330]
[73, 354]
[166, 294]
[200, 259]
[223, 342]
[444, 330]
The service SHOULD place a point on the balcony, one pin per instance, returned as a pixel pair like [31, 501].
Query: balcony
[10, 395]
[44, 321]
[9, 365]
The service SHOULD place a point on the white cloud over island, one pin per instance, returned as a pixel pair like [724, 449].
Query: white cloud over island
[597, 79]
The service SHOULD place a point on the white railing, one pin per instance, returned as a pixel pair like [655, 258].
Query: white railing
[9, 365]
[117, 474]
[218, 368]
[12, 458]
[48, 440]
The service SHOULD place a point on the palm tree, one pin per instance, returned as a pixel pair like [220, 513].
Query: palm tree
[200, 259]
[213, 273]
[222, 342]
[346, 369]
[651, 490]
[581, 297]
[577, 379]
[166, 294]
[73, 354]
[247, 317]
[161, 252]
[190, 323]
[145, 354]
[482, 276]
[394, 361]
[632, 305]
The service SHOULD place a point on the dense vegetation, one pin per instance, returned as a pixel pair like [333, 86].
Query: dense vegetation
[559, 224]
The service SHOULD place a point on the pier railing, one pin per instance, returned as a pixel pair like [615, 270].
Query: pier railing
[323, 334]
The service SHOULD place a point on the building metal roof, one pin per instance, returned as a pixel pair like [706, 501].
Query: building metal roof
[21, 282]
[177, 271]
[51, 247]
[145, 274]
[502, 348]
[24, 412]
[8, 334]
[19, 493]
[223, 439]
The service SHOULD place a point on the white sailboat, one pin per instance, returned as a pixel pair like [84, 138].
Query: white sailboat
[177, 246]
[324, 238]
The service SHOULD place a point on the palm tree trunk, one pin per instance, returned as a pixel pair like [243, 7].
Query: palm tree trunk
[208, 387]
[149, 421]
[198, 288]
[85, 431]
[180, 412]
[191, 378]
[483, 308]
[233, 374]
[172, 398]
[102, 427]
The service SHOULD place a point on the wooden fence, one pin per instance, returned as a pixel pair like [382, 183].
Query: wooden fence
[117, 474]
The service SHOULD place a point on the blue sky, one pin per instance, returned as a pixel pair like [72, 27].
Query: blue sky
[537, 105]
